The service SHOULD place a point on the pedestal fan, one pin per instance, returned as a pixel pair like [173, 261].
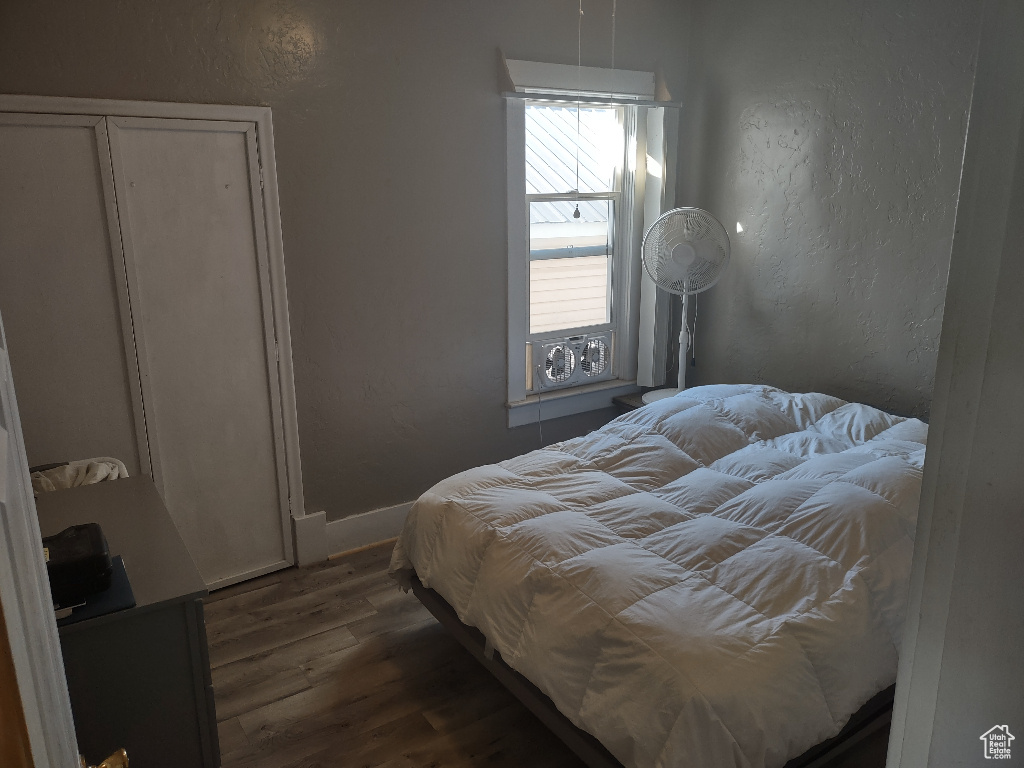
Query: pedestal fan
[685, 252]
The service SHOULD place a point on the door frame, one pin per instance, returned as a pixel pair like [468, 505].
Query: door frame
[267, 169]
[25, 597]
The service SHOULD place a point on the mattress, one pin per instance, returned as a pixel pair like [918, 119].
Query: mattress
[716, 579]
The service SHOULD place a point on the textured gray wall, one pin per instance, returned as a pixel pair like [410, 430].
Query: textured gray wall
[833, 132]
[390, 140]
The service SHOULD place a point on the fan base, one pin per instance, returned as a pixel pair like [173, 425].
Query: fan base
[659, 394]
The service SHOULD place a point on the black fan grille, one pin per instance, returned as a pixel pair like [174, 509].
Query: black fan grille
[594, 358]
[559, 363]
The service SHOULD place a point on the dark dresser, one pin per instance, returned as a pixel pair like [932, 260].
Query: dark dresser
[139, 678]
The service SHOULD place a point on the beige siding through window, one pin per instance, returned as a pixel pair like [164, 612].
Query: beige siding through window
[568, 293]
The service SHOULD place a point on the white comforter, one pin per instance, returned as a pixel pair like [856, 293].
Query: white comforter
[715, 579]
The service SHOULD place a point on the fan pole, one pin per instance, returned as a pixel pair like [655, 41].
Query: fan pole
[674, 244]
[684, 345]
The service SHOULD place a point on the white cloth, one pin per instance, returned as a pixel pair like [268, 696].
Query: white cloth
[76, 473]
[716, 579]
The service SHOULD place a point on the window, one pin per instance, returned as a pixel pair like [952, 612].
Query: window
[572, 233]
[582, 180]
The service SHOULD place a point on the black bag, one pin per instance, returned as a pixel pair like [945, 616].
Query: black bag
[78, 564]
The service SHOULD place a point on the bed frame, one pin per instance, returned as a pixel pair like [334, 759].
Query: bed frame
[871, 717]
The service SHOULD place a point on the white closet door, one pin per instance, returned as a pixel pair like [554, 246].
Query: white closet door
[191, 215]
[62, 292]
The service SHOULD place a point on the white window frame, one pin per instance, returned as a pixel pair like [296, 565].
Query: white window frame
[645, 192]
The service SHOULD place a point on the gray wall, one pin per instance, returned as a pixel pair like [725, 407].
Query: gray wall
[390, 141]
[833, 132]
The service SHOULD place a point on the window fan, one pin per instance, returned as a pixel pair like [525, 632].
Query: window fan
[569, 361]
[685, 252]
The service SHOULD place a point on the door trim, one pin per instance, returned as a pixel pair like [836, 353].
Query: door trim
[25, 597]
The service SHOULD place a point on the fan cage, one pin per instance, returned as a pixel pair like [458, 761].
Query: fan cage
[559, 363]
[594, 359]
[696, 228]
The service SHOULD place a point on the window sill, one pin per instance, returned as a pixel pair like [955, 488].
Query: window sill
[566, 402]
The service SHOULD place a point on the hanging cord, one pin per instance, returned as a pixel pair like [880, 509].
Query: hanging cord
[579, 91]
[540, 421]
[613, 33]
[693, 335]
[607, 245]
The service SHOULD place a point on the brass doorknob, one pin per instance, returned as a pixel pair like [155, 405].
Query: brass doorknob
[117, 760]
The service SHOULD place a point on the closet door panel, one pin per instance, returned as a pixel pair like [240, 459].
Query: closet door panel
[192, 226]
[62, 293]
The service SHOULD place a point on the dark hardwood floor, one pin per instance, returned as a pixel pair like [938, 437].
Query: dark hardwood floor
[334, 666]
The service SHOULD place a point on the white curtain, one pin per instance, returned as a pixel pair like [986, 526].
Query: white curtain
[659, 196]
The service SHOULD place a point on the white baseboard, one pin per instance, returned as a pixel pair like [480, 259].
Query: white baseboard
[367, 528]
[310, 538]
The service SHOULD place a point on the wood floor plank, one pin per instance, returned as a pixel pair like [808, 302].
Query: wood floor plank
[364, 698]
[478, 700]
[226, 606]
[268, 689]
[232, 738]
[387, 595]
[273, 633]
[236, 675]
[372, 559]
[312, 602]
[281, 742]
[399, 612]
[494, 740]
[376, 659]
[377, 749]
[291, 582]
[342, 748]
[243, 587]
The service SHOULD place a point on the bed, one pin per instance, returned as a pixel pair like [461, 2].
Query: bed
[715, 579]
